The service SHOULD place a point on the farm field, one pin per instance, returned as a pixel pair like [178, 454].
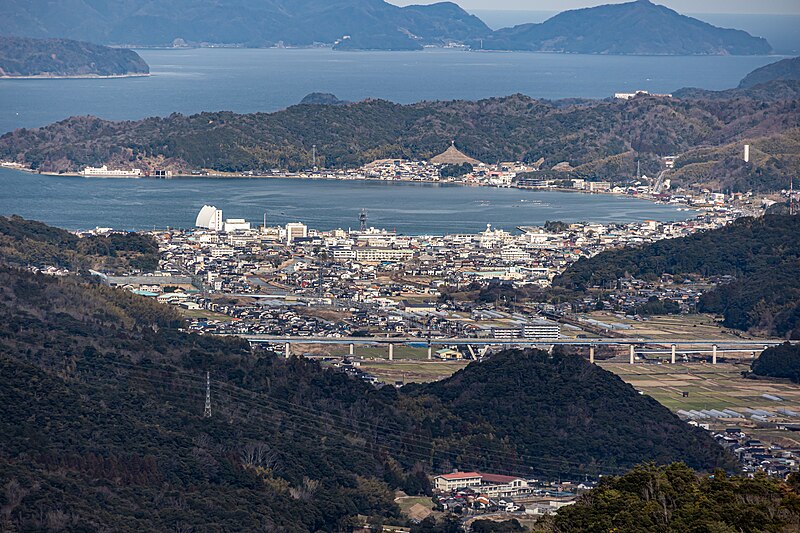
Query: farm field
[689, 327]
[708, 386]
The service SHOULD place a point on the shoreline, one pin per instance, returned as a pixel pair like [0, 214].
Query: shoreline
[76, 77]
[221, 176]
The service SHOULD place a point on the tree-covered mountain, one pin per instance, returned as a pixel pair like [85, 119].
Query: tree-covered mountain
[27, 242]
[762, 254]
[785, 69]
[240, 22]
[634, 28]
[543, 405]
[21, 57]
[601, 139]
[102, 421]
[673, 499]
[638, 27]
[768, 91]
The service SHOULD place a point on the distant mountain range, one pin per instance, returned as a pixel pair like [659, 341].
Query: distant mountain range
[64, 58]
[638, 27]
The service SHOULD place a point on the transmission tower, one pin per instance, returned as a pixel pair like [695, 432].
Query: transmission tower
[362, 218]
[207, 412]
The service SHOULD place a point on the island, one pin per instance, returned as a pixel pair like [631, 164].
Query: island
[638, 27]
[634, 28]
[63, 58]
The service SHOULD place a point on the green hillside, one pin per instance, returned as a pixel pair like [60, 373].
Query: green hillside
[603, 139]
[762, 254]
[101, 417]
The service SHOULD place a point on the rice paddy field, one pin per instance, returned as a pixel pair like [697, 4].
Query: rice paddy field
[707, 386]
[688, 327]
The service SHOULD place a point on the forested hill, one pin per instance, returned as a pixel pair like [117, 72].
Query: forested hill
[785, 69]
[602, 139]
[639, 27]
[546, 405]
[63, 58]
[102, 426]
[673, 499]
[26, 243]
[251, 23]
[762, 254]
[779, 362]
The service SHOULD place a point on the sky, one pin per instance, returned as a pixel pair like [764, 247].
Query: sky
[684, 6]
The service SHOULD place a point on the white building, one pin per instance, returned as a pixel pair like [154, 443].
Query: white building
[541, 329]
[376, 255]
[210, 218]
[295, 230]
[457, 480]
[105, 172]
[236, 224]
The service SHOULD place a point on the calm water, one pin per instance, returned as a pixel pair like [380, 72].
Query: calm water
[411, 208]
[189, 81]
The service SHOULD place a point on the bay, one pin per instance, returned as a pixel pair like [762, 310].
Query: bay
[410, 208]
[250, 80]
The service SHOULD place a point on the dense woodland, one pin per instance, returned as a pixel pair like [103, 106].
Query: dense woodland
[673, 499]
[761, 254]
[101, 413]
[601, 139]
[779, 362]
[61, 57]
[28, 242]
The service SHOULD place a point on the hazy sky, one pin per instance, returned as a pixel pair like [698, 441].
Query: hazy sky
[684, 6]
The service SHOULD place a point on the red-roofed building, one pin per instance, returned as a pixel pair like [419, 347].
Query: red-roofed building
[456, 480]
[493, 485]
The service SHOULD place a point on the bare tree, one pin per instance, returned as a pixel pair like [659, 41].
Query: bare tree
[259, 455]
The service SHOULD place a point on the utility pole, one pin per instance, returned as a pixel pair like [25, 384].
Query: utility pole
[791, 195]
[314, 156]
[207, 412]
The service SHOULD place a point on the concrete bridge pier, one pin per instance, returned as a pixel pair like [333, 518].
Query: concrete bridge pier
[391, 352]
[714, 354]
[352, 349]
[633, 354]
[430, 352]
[673, 354]
[591, 353]
[287, 350]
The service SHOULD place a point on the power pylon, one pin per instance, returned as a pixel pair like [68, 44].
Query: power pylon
[207, 412]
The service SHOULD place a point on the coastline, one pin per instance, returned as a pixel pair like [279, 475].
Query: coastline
[290, 176]
[76, 77]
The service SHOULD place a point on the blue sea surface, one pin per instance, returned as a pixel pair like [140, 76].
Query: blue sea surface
[410, 208]
[249, 80]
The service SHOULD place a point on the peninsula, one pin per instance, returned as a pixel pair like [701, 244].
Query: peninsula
[63, 58]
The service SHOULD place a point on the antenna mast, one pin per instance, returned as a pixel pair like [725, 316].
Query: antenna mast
[207, 412]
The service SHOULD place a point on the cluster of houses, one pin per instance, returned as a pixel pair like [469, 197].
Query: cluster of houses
[479, 493]
[758, 456]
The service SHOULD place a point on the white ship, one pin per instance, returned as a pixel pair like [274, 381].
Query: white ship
[105, 172]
